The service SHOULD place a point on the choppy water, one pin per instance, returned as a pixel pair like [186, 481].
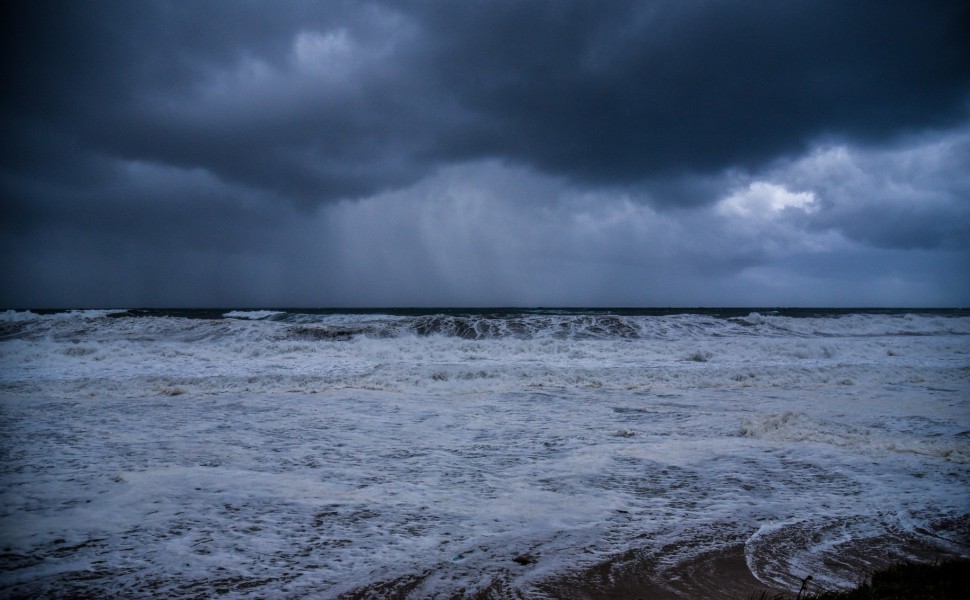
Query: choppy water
[313, 453]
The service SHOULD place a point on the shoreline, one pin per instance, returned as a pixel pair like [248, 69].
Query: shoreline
[724, 574]
[720, 573]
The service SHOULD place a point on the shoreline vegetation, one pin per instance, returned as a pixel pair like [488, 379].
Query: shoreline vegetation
[947, 580]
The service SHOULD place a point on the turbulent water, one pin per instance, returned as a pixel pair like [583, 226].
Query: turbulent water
[315, 454]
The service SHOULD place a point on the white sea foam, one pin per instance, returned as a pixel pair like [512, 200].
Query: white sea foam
[15, 316]
[19, 316]
[310, 454]
[792, 427]
[252, 314]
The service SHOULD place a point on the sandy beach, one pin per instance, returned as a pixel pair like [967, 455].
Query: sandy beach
[716, 575]
[722, 574]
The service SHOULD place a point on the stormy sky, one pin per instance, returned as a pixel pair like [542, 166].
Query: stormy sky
[485, 153]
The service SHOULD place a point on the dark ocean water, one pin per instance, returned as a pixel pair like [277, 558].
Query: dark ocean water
[445, 452]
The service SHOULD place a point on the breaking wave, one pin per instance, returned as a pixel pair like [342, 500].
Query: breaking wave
[533, 324]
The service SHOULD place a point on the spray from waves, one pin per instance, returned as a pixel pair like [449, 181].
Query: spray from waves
[491, 324]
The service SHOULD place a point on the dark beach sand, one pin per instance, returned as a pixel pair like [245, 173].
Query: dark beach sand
[716, 574]
[721, 574]
[724, 573]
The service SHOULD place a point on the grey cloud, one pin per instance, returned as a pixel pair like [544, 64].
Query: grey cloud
[639, 88]
[136, 81]
[472, 234]
[603, 94]
[912, 196]
[457, 236]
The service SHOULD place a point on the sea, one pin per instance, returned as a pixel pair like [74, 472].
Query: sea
[475, 453]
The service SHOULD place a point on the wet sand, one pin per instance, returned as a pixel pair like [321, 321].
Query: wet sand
[721, 574]
[724, 574]
[635, 575]
[714, 575]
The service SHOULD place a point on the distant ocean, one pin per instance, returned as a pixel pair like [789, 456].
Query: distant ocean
[439, 453]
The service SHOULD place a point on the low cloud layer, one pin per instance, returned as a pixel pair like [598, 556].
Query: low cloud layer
[504, 153]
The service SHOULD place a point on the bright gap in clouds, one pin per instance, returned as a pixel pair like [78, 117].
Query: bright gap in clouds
[763, 200]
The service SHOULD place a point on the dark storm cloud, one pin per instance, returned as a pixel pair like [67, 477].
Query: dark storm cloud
[503, 152]
[330, 100]
[645, 87]
[140, 81]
